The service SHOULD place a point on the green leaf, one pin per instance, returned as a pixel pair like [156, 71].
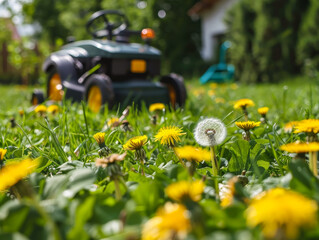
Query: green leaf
[240, 149]
[148, 196]
[12, 215]
[303, 180]
[70, 165]
[106, 210]
[263, 164]
[54, 186]
[80, 179]
[72, 183]
[83, 214]
[12, 236]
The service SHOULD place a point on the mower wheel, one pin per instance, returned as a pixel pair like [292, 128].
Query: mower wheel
[176, 89]
[54, 86]
[98, 91]
[37, 97]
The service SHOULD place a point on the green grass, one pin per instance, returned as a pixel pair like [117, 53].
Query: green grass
[72, 198]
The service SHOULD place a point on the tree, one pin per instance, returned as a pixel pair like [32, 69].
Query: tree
[308, 46]
[265, 35]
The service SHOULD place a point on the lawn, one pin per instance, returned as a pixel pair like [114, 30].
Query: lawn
[167, 185]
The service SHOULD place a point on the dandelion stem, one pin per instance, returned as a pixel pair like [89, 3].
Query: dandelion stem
[245, 113]
[33, 201]
[142, 167]
[117, 189]
[140, 155]
[215, 169]
[247, 135]
[313, 163]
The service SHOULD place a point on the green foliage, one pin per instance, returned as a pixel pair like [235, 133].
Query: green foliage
[177, 35]
[72, 198]
[308, 49]
[264, 36]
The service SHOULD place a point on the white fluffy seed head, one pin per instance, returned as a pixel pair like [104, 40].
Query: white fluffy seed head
[210, 132]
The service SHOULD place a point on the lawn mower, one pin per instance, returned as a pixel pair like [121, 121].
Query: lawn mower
[109, 69]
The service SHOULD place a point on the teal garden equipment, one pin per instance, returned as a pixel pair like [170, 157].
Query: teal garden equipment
[220, 72]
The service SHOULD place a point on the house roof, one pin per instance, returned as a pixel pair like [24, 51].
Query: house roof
[201, 6]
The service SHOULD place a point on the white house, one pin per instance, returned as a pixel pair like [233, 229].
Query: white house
[212, 13]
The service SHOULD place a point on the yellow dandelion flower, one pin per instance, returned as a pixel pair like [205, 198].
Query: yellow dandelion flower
[298, 147]
[53, 109]
[227, 198]
[21, 112]
[243, 103]
[290, 126]
[281, 211]
[211, 93]
[307, 125]
[170, 222]
[135, 143]
[184, 190]
[156, 107]
[113, 122]
[15, 171]
[199, 92]
[169, 135]
[40, 109]
[191, 153]
[234, 86]
[2, 153]
[99, 137]
[227, 193]
[213, 85]
[263, 110]
[247, 125]
[219, 100]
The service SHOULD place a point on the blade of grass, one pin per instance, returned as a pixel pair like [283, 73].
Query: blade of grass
[85, 119]
[56, 143]
[275, 155]
[26, 135]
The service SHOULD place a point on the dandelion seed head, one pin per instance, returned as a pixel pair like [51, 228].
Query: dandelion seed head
[104, 162]
[210, 132]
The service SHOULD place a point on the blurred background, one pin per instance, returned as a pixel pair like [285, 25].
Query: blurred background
[270, 39]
